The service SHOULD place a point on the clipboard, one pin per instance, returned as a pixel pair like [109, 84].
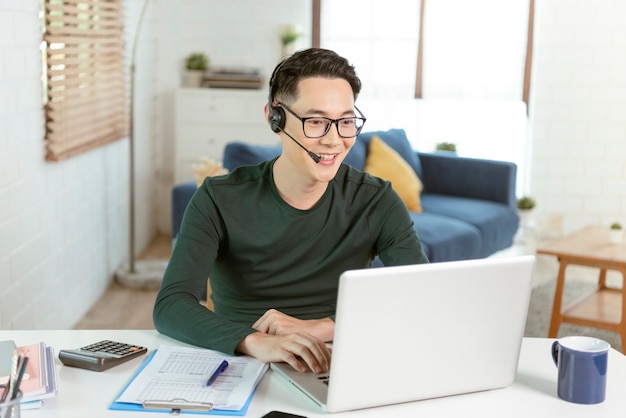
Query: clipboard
[173, 406]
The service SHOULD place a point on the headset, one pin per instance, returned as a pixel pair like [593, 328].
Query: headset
[277, 119]
[276, 116]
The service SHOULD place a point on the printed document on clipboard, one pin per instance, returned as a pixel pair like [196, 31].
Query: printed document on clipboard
[175, 379]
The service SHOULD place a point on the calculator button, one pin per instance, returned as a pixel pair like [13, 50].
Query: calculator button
[112, 348]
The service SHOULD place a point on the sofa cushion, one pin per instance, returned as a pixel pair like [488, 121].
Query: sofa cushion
[446, 239]
[496, 222]
[469, 177]
[396, 139]
[241, 153]
[357, 155]
[384, 162]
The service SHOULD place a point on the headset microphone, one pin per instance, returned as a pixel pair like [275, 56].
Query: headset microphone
[314, 157]
[277, 123]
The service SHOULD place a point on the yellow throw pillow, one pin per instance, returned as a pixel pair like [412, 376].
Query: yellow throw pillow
[384, 162]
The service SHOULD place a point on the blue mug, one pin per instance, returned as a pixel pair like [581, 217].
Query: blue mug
[582, 366]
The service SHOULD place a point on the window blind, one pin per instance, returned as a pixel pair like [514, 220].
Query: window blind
[86, 83]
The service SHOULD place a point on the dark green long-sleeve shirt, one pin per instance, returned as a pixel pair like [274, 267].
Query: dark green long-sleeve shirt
[262, 253]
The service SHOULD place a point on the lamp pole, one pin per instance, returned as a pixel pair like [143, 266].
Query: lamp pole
[146, 274]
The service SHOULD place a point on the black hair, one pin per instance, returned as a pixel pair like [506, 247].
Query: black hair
[312, 62]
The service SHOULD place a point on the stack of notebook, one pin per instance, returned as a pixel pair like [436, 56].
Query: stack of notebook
[39, 382]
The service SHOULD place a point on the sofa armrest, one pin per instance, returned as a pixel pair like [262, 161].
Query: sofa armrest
[181, 195]
[469, 177]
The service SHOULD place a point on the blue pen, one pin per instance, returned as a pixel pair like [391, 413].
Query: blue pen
[220, 369]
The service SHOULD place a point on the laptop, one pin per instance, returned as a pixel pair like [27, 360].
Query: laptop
[417, 332]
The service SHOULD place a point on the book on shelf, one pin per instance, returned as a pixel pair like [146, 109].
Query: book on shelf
[238, 71]
[233, 78]
[40, 379]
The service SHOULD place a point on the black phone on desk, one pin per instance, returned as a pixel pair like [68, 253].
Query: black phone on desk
[280, 414]
[102, 355]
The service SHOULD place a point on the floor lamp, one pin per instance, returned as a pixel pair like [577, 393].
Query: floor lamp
[141, 274]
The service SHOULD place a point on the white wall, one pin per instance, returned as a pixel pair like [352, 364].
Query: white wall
[63, 225]
[578, 114]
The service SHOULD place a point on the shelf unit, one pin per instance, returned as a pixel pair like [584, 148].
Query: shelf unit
[207, 119]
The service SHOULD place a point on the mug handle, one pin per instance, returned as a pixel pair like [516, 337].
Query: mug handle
[555, 352]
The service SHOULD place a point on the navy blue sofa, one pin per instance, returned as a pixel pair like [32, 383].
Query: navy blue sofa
[469, 204]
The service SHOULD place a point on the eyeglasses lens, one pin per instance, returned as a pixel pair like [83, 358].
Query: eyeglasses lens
[346, 127]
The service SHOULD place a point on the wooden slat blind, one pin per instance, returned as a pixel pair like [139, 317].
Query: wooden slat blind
[86, 80]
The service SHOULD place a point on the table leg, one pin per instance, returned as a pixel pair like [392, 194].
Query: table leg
[623, 322]
[555, 322]
[602, 279]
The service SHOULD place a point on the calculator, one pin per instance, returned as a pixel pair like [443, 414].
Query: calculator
[102, 355]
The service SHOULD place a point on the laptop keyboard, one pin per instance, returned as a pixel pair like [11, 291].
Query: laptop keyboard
[325, 379]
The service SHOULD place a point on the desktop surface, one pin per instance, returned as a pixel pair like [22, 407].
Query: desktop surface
[85, 393]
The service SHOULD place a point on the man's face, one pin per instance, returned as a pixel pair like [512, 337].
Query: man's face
[319, 97]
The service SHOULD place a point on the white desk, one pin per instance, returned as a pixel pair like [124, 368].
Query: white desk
[84, 393]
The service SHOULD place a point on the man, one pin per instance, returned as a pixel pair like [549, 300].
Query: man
[274, 238]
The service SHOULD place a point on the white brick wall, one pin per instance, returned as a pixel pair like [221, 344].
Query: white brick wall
[64, 225]
[578, 110]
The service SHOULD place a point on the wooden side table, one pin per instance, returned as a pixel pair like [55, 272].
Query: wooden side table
[604, 307]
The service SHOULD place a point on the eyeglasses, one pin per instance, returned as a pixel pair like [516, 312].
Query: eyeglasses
[317, 126]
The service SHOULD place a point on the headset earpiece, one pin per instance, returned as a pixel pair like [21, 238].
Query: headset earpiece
[276, 117]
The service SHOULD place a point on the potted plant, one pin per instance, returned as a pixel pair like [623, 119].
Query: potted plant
[447, 147]
[615, 233]
[525, 203]
[288, 36]
[195, 66]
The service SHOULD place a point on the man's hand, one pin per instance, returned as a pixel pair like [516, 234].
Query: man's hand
[277, 323]
[300, 350]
